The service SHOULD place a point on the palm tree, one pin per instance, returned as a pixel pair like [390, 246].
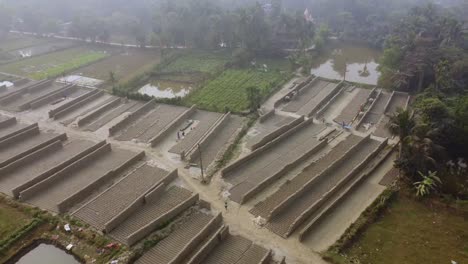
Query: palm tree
[428, 183]
[421, 152]
[401, 124]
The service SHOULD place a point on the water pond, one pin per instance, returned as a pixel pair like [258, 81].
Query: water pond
[166, 89]
[359, 61]
[47, 254]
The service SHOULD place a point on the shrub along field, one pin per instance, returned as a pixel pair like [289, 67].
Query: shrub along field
[412, 232]
[54, 64]
[229, 89]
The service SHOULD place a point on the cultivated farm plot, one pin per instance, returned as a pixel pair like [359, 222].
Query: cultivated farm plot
[54, 64]
[229, 90]
[14, 42]
[198, 62]
[35, 50]
[125, 65]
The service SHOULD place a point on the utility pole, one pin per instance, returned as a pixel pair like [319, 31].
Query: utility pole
[345, 70]
[201, 163]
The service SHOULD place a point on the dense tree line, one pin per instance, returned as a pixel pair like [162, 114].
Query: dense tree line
[191, 23]
[426, 55]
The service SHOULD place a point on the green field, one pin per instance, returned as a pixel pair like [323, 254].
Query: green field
[54, 64]
[11, 220]
[411, 232]
[198, 62]
[229, 89]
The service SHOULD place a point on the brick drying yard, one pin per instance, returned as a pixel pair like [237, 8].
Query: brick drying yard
[131, 169]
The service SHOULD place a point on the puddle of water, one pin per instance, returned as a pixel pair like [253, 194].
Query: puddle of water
[47, 254]
[165, 89]
[360, 62]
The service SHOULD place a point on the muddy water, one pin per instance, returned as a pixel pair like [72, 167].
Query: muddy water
[353, 58]
[47, 254]
[166, 89]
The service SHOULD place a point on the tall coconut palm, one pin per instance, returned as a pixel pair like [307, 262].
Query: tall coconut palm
[401, 124]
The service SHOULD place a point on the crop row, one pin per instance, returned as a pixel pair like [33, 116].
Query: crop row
[229, 89]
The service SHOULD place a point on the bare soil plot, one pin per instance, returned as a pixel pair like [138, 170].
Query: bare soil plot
[64, 187]
[166, 250]
[202, 122]
[282, 223]
[125, 66]
[21, 175]
[152, 123]
[354, 107]
[114, 200]
[170, 199]
[217, 143]
[270, 163]
[236, 250]
[108, 116]
[258, 132]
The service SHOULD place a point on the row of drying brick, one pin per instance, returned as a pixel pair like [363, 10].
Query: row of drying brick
[319, 184]
[266, 207]
[38, 94]
[133, 207]
[259, 169]
[312, 97]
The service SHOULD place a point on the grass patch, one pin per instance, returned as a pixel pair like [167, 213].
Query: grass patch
[54, 64]
[410, 232]
[199, 62]
[11, 221]
[229, 89]
[6, 243]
